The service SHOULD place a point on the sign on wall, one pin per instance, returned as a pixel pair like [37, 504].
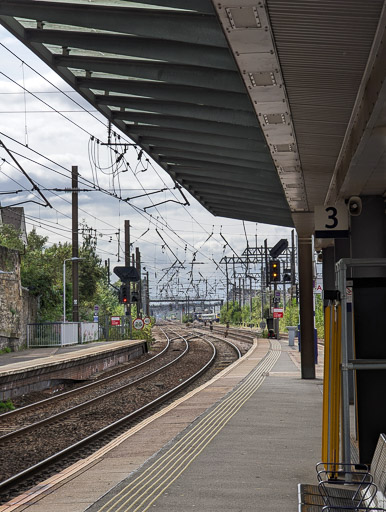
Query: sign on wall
[331, 221]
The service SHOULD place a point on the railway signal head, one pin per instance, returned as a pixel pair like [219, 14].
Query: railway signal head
[274, 271]
[124, 294]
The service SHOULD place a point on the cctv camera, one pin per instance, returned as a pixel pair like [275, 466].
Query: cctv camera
[354, 206]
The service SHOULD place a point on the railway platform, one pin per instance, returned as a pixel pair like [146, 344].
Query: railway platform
[36, 369]
[241, 442]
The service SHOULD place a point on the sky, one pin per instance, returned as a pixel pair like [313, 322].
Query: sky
[48, 128]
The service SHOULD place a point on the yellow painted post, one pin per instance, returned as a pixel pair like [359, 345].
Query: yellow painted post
[326, 386]
[335, 387]
[331, 388]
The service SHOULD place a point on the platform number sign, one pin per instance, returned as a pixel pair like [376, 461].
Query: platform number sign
[138, 324]
[331, 221]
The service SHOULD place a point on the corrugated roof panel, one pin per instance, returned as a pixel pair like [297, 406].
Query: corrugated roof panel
[323, 48]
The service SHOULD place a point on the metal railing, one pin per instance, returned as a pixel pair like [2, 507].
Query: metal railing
[59, 334]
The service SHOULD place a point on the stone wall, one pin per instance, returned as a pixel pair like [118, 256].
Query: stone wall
[17, 306]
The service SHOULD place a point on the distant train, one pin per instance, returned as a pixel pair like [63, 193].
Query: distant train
[207, 317]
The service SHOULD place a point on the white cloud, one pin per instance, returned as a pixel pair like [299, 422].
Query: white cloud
[66, 145]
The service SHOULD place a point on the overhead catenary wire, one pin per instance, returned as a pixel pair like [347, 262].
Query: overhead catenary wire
[162, 221]
[104, 125]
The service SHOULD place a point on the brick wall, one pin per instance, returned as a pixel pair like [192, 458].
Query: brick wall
[17, 306]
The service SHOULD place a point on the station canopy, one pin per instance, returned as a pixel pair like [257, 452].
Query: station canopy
[246, 106]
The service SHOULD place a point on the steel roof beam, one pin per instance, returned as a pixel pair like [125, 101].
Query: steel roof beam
[188, 157]
[252, 209]
[147, 134]
[254, 212]
[170, 25]
[241, 197]
[226, 173]
[163, 146]
[207, 164]
[163, 72]
[213, 182]
[171, 108]
[148, 48]
[204, 6]
[185, 123]
[260, 216]
[168, 92]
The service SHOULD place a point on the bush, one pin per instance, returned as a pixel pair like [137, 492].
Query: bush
[6, 406]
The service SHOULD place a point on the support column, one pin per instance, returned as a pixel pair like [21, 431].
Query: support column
[306, 308]
[368, 240]
[75, 246]
[328, 269]
[342, 249]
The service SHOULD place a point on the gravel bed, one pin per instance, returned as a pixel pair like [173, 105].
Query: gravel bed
[8, 423]
[37, 396]
[49, 439]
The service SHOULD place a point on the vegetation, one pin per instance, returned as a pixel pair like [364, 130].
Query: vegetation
[236, 315]
[42, 274]
[291, 316]
[6, 406]
[187, 318]
[10, 237]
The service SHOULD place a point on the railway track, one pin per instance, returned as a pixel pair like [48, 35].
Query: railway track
[50, 442]
[233, 333]
[36, 411]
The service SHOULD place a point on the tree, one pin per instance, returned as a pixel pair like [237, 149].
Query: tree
[42, 273]
[37, 274]
[230, 312]
[10, 237]
[291, 316]
[319, 315]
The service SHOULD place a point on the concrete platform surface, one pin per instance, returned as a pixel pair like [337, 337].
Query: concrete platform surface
[241, 443]
[35, 357]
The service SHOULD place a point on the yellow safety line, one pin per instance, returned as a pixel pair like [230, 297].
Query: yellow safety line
[217, 419]
[163, 477]
[202, 422]
[52, 481]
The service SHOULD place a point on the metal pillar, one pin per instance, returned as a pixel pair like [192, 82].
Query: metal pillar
[139, 284]
[328, 269]
[371, 417]
[368, 234]
[75, 248]
[306, 308]
[368, 240]
[127, 264]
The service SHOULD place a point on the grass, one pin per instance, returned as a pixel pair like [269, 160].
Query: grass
[6, 406]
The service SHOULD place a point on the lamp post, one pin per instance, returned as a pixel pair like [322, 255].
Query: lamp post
[64, 284]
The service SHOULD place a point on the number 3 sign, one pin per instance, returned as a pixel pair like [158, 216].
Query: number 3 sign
[331, 221]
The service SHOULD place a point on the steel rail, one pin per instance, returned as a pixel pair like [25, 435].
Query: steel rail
[36, 468]
[73, 392]
[232, 345]
[233, 332]
[84, 405]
